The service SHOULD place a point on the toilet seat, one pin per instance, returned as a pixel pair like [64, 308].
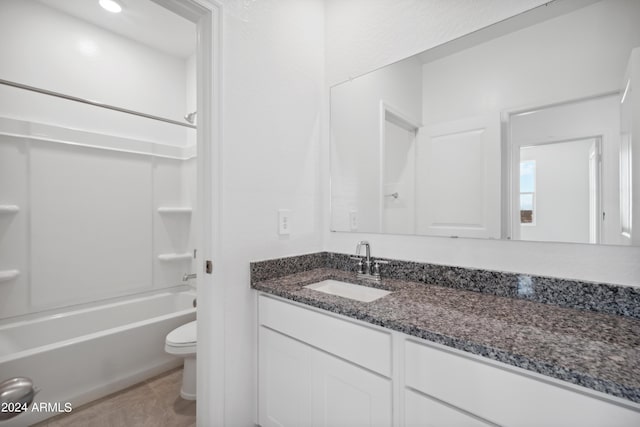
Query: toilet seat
[182, 340]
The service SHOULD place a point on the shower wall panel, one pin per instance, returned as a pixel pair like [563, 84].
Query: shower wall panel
[91, 232]
[14, 294]
[169, 227]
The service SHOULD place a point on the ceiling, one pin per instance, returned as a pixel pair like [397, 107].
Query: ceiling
[141, 20]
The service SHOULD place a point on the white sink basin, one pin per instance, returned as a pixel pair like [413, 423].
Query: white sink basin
[348, 290]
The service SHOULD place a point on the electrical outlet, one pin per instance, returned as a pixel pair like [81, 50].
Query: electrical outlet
[353, 220]
[284, 222]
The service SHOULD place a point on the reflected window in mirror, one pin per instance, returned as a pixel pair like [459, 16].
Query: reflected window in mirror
[527, 191]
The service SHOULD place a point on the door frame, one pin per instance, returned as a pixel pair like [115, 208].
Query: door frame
[401, 119]
[507, 162]
[207, 15]
[514, 211]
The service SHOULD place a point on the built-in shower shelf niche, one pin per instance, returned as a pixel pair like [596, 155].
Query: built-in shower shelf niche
[175, 256]
[6, 275]
[9, 209]
[175, 210]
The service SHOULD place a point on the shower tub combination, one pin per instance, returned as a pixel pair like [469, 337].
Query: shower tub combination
[86, 353]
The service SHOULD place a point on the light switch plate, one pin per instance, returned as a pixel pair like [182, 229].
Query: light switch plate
[284, 222]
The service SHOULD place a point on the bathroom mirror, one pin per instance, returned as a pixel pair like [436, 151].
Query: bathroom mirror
[522, 130]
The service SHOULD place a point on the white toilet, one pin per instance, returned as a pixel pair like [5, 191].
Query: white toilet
[182, 342]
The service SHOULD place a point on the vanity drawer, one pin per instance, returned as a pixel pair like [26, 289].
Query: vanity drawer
[359, 344]
[505, 396]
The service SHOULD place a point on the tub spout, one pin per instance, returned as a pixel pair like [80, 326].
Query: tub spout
[189, 276]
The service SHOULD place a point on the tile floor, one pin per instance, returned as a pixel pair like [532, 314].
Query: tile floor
[154, 403]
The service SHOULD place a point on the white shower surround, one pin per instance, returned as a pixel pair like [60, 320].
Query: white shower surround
[139, 208]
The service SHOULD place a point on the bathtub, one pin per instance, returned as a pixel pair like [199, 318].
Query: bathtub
[86, 353]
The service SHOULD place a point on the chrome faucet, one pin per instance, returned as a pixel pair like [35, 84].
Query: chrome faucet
[369, 269]
[367, 263]
[188, 276]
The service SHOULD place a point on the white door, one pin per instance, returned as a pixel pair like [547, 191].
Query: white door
[284, 381]
[346, 395]
[458, 178]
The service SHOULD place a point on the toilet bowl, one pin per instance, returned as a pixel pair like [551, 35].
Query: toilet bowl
[182, 342]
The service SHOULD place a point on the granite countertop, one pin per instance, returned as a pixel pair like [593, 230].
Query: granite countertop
[595, 350]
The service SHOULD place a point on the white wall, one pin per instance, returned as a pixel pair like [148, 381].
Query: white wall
[55, 51]
[363, 35]
[272, 108]
[355, 141]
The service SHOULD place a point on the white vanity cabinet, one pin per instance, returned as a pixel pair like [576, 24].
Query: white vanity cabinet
[318, 370]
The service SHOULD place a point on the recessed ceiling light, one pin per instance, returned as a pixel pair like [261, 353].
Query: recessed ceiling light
[111, 5]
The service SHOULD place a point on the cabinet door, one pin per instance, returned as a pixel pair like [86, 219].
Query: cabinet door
[347, 395]
[422, 411]
[504, 396]
[283, 382]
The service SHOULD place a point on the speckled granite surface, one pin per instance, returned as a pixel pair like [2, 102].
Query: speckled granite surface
[599, 297]
[592, 349]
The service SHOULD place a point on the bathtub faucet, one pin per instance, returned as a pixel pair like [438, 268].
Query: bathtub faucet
[188, 276]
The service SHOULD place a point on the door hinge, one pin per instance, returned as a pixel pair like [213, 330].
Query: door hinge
[208, 266]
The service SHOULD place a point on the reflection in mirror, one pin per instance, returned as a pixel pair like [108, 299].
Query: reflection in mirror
[519, 131]
[564, 159]
[548, 174]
